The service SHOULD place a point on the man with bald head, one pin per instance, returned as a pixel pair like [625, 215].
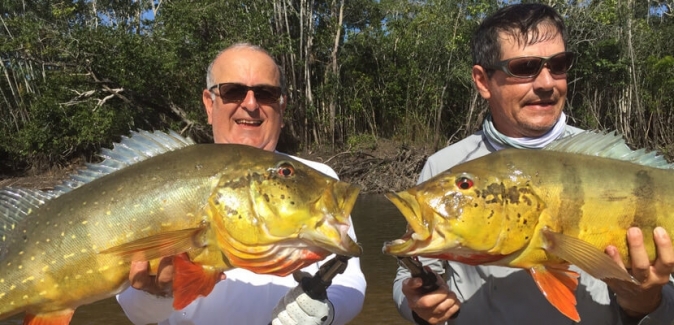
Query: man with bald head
[245, 100]
[249, 120]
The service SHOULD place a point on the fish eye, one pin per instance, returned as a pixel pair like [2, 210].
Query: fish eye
[464, 183]
[286, 170]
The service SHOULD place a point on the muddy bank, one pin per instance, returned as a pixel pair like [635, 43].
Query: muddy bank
[389, 167]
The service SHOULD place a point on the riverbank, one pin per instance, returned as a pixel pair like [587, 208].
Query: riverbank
[386, 166]
[377, 168]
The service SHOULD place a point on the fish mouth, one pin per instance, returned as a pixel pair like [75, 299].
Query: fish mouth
[419, 228]
[331, 232]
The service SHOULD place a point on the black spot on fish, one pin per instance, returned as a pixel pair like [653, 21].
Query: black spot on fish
[527, 200]
[495, 191]
[283, 197]
[513, 195]
[266, 197]
[292, 202]
[645, 211]
[229, 211]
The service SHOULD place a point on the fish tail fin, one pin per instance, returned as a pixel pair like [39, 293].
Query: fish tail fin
[558, 285]
[191, 281]
[61, 317]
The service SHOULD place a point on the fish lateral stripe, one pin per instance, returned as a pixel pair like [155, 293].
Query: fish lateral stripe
[573, 194]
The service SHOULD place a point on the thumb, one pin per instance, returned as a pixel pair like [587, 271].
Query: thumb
[139, 275]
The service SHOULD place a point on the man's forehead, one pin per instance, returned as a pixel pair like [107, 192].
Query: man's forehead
[245, 66]
[514, 40]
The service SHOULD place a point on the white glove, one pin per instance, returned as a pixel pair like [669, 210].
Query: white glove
[297, 308]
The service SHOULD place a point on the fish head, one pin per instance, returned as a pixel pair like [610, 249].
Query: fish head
[283, 216]
[474, 216]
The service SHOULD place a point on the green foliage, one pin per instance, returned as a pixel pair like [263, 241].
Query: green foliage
[362, 142]
[74, 78]
[659, 84]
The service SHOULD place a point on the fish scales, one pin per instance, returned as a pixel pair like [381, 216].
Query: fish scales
[56, 258]
[105, 213]
[587, 197]
[542, 210]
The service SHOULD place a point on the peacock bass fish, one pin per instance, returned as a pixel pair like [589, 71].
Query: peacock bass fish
[541, 210]
[212, 206]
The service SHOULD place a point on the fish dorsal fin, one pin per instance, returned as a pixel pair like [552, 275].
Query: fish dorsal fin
[138, 147]
[15, 205]
[607, 145]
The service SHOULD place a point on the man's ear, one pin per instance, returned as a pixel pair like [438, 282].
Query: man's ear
[481, 80]
[209, 101]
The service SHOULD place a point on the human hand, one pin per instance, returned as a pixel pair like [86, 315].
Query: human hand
[434, 307]
[640, 300]
[297, 307]
[159, 282]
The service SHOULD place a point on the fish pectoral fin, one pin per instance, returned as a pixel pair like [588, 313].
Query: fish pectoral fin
[587, 257]
[153, 247]
[191, 281]
[60, 317]
[558, 285]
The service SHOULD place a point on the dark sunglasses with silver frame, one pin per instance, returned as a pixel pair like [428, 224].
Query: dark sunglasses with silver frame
[235, 92]
[531, 66]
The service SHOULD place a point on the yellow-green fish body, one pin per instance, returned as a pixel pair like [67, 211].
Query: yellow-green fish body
[224, 205]
[541, 210]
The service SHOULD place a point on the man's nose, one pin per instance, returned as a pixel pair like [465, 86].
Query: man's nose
[250, 102]
[544, 80]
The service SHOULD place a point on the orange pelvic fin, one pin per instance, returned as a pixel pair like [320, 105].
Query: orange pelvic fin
[587, 257]
[61, 317]
[163, 244]
[558, 286]
[191, 281]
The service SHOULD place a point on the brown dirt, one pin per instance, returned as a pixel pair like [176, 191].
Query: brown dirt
[388, 166]
[382, 167]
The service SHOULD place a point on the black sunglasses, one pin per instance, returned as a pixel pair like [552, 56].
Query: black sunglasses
[531, 66]
[235, 92]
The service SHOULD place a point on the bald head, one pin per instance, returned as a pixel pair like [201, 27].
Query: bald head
[237, 50]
